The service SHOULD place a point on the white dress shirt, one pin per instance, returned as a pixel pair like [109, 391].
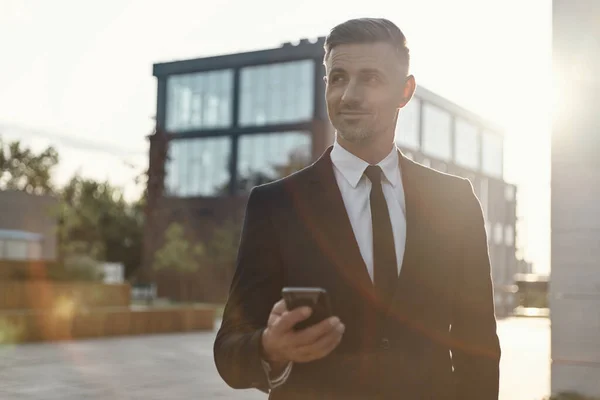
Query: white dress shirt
[355, 188]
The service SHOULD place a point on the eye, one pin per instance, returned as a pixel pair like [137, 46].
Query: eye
[372, 79]
[336, 78]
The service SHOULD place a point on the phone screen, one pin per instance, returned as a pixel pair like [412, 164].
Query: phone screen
[315, 298]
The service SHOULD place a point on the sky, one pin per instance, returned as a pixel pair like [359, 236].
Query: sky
[78, 74]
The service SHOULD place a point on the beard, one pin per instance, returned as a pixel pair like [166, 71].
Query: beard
[355, 134]
[358, 130]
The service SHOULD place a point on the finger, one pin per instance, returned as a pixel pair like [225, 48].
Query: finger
[312, 334]
[279, 307]
[321, 348]
[272, 319]
[288, 319]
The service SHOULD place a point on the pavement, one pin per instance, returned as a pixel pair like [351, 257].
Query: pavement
[180, 366]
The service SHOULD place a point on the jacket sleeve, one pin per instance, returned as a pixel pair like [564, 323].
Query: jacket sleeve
[255, 288]
[475, 344]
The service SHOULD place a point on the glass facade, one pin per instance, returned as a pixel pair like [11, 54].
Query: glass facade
[283, 93]
[509, 235]
[498, 232]
[437, 135]
[492, 154]
[277, 93]
[199, 101]
[466, 150]
[266, 157]
[407, 127]
[198, 167]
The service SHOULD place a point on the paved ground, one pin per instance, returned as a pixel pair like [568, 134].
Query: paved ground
[177, 367]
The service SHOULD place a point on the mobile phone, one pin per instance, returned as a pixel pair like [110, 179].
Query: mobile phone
[314, 297]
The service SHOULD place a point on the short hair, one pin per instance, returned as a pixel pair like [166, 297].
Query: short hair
[368, 30]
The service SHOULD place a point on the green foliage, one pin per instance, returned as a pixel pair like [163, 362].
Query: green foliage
[79, 264]
[23, 170]
[223, 246]
[177, 253]
[95, 220]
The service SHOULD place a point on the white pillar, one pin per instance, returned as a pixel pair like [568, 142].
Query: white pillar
[575, 276]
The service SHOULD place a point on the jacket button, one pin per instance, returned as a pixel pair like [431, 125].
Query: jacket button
[385, 343]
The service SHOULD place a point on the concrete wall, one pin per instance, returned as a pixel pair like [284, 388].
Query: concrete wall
[24, 212]
[575, 281]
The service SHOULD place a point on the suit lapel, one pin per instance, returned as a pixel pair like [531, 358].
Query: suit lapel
[418, 239]
[328, 221]
[323, 211]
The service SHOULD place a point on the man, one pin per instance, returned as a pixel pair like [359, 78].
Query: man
[400, 248]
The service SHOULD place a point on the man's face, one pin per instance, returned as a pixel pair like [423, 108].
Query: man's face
[366, 84]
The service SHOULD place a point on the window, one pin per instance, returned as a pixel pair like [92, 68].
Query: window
[492, 154]
[198, 167]
[436, 132]
[498, 231]
[407, 127]
[509, 193]
[483, 195]
[509, 235]
[199, 101]
[277, 93]
[466, 144]
[266, 157]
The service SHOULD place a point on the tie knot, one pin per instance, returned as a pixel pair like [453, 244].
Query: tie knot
[373, 172]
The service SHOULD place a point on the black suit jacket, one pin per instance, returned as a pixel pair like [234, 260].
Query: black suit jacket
[296, 233]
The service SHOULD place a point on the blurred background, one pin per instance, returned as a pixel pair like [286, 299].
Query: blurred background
[131, 133]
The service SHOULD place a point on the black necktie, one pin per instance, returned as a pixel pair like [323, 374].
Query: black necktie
[384, 254]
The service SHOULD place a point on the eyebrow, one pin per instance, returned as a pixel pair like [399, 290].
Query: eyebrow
[338, 70]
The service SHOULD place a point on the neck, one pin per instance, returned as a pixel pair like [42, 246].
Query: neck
[372, 151]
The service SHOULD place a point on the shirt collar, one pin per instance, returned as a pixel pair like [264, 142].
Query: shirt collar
[352, 167]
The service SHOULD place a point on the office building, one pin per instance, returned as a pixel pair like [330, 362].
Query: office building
[239, 120]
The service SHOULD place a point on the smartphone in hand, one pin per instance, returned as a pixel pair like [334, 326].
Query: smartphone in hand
[315, 298]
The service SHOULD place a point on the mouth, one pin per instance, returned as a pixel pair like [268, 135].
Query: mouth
[353, 113]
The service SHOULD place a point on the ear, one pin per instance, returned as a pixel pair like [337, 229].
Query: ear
[407, 91]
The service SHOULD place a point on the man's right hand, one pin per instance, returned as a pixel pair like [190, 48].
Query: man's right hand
[282, 344]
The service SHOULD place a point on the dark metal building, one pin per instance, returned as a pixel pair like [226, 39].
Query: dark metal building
[238, 120]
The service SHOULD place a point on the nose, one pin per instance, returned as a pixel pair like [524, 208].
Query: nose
[352, 93]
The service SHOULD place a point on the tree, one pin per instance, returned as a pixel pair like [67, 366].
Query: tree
[95, 219]
[223, 246]
[222, 249]
[178, 254]
[21, 169]
[95, 223]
